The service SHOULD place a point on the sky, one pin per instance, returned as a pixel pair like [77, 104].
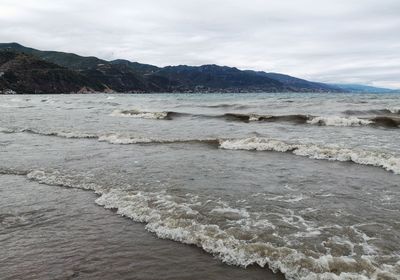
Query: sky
[335, 41]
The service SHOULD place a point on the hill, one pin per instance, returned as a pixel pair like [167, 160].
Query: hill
[23, 73]
[125, 76]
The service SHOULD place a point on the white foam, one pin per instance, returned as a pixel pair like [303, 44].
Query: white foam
[150, 208]
[333, 152]
[73, 135]
[171, 218]
[231, 213]
[139, 114]
[394, 110]
[57, 179]
[63, 134]
[6, 130]
[256, 143]
[339, 121]
[123, 139]
[287, 198]
[387, 161]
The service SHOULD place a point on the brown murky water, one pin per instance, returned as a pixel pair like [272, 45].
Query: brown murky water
[59, 233]
[304, 184]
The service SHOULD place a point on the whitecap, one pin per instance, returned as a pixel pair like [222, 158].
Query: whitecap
[171, 218]
[336, 153]
[139, 114]
[339, 121]
[123, 139]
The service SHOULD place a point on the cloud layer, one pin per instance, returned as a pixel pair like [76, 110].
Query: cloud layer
[348, 41]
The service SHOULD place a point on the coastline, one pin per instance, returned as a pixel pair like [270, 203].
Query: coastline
[85, 241]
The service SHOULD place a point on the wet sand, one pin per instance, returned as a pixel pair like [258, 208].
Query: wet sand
[49, 232]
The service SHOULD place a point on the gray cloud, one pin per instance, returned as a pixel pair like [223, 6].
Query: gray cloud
[325, 40]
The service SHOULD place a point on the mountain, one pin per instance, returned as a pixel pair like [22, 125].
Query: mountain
[300, 84]
[136, 66]
[220, 78]
[110, 77]
[68, 60]
[362, 89]
[120, 75]
[24, 73]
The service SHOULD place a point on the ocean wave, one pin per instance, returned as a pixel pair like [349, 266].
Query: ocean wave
[62, 134]
[385, 121]
[165, 115]
[394, 110]
[339, 121]
[377, 121]
[386, 111]
[113, 138]
[179, 219]
[380, 121]
[335, 153]
[267, 118]
[225, 105]
[123, 140]
[6, 130]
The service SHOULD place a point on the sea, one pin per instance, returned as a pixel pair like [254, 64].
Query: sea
[200, 186]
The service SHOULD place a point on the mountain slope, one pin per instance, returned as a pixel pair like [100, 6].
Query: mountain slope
[23, 73]
[213, 77]
[68, 60]
[300, 84]
[126, 76]
[136, 66]
[111, 77]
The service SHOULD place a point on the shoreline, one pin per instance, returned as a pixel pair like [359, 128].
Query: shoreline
[55, 232]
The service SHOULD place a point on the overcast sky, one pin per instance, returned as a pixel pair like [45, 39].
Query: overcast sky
[346, 41]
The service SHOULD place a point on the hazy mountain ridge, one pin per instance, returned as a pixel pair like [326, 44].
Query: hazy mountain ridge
[363, 89]
[77, 73]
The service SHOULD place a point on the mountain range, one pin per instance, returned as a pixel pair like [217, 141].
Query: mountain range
[28, 70]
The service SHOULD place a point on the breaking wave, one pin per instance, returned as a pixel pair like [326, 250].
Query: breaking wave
[335, 153]
[386, 161]
[377, 112]
[121, 139]
[62, 134]
[386, 121]
[183, 219]
[339, 121]
[145, 115]
[394, 110]
[379, 121]
[300, 119]
[113, 138]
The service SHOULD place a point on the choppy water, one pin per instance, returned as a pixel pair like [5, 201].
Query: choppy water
[305, 184]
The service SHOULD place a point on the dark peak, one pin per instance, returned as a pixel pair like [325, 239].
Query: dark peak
[11, 45]
[125, 61]
[210, 66]
[183, 66]
[202, 68]
[218, 67]
[120, 61]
